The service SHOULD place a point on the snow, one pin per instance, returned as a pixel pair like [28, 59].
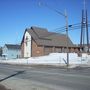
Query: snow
[52, 58]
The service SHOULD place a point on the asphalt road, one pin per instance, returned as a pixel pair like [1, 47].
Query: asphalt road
[55, 78]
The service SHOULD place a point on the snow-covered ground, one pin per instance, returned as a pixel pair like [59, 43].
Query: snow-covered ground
[52, 59]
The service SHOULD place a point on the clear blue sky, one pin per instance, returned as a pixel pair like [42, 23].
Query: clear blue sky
[17, 15]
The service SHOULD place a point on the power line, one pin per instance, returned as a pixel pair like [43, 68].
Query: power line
[71, 27]
[60, 30]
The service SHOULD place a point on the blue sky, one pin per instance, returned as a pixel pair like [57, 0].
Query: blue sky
[17, 15]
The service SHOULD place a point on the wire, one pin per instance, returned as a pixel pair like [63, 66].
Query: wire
[51, 8]
[71, 27]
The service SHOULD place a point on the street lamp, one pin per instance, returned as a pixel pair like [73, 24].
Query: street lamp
[66, 20]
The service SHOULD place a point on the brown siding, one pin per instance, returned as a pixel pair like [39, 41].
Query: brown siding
[76, 50]
[37, 50]
[45, 50]
[48, 50]
[58, 49]
[71, 50]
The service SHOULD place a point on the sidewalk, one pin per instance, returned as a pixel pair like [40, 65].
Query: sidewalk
[24, 84]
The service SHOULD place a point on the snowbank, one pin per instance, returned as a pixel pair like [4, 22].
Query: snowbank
[53, 58]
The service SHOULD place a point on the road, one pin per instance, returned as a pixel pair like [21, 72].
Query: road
[46, 77]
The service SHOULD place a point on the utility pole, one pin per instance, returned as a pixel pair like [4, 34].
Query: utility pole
[66, 20]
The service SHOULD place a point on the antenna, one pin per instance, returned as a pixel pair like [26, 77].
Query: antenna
[84, 4]
[84, 30]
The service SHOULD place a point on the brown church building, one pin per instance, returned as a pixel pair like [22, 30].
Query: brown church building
[39, 41]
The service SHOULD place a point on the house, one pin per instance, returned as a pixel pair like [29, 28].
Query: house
[39, 41]
[11, 51]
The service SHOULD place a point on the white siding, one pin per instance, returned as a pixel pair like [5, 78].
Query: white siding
[5, 51]
[27, 45]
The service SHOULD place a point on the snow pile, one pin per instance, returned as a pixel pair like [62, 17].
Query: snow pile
[53, 58]
[88, 59]
[57, 58]
[14, 61]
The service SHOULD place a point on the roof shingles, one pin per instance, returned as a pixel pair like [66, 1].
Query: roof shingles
[12, 46]
[43, 37]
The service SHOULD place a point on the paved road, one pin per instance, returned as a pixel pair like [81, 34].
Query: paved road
[52, 78]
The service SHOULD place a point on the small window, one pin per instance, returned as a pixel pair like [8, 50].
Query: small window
[26, 40]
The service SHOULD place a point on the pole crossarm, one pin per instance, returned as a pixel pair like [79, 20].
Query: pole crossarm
[51, 8]
[66, 20]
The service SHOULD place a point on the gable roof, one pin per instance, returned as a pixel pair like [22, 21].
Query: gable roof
[13, 46]
[45, 38]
